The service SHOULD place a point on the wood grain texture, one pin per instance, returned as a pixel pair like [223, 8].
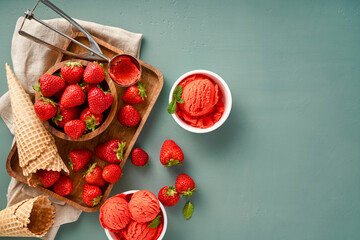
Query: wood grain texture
[154, 81]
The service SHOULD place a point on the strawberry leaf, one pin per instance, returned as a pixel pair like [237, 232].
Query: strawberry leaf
[173, 162]
[188, 193]
[71, 166]
[142, 90]
[96, 200]
[155, 223]
[91, 123]
[120, 151]
[188, 210]
[91, 169]
[72, 64]
[172, 107]
[170, 191]
[36, 88]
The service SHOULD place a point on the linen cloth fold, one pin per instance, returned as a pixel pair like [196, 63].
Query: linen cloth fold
[30, 60]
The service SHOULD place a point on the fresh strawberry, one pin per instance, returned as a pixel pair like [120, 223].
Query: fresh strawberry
[94, 73]
[78, 158]
[93, 175]
[108, 99]
[139, 157]
[92, 120]
[128, 116]
[91, 195]
[63, 186]
[111, 173]
[135, 94]
[185, 185]
[74, 128]
[72, 72]
[66, 114]
[87, 87]
[73, 96]
[49, 85]
[45, 109]
[168, 196]
[111, 151]
[171, 154]
[96, 100]
[47, 178]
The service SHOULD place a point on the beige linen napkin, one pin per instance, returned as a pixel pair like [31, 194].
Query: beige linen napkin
[30, 60]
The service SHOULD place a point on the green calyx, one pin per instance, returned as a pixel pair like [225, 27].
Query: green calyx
[173, 162]
[188, 193]
[142, 90]
[48, 100]
[171, 191]
[91, 169]
[37, 88]
[73, 64]
[57, 117]
[71, 166]
[176, 99]
[120, 151]
[155, 223]
[188, 210]
[96, 200]
[91, 122]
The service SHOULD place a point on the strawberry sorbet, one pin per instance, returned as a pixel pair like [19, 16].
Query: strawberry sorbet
[114, 214]
[203, 105]
[123, 70]
[144, 206]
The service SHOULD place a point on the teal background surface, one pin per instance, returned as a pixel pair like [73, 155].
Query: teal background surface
[286, 163]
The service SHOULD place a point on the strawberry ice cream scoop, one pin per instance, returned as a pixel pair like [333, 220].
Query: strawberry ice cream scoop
[144, 206]
[137, 231]
[114, 214]
[200, 95]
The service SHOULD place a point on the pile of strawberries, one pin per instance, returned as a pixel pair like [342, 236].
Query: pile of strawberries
[95, 177]
[73, 98]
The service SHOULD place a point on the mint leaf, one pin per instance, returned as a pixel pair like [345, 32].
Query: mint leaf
[188, 210]
[177, 93]
[172, 107]
[181, 100]
[155, 223]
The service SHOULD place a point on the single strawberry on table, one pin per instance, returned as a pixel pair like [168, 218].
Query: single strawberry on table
[66, 114]
[139, 157]
[92, 120]
[168, 196]
[73, 96]
[94, 73]
[185, 185]
[49, 85]
[171, 154]
[72, 72]
[63, 186]
[128, 116]
[91, 195]
[45, 109]
[74, 128]
[93, 175]
[47, 178]
[135, 94]
[111, 151]
[79, 158]
[111, 173]
[98, 101]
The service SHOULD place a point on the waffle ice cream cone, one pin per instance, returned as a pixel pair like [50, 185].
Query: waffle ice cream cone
[29, 218]
[36, 146]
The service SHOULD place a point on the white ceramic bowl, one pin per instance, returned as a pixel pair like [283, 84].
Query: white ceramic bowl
[226, 95]
[111, 235]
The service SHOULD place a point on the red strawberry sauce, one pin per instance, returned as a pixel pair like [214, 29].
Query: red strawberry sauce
[124, 70]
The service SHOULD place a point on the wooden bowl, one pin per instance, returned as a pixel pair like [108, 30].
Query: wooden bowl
[108, 115]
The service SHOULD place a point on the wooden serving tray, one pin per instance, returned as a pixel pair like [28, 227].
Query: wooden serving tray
[154, 82]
